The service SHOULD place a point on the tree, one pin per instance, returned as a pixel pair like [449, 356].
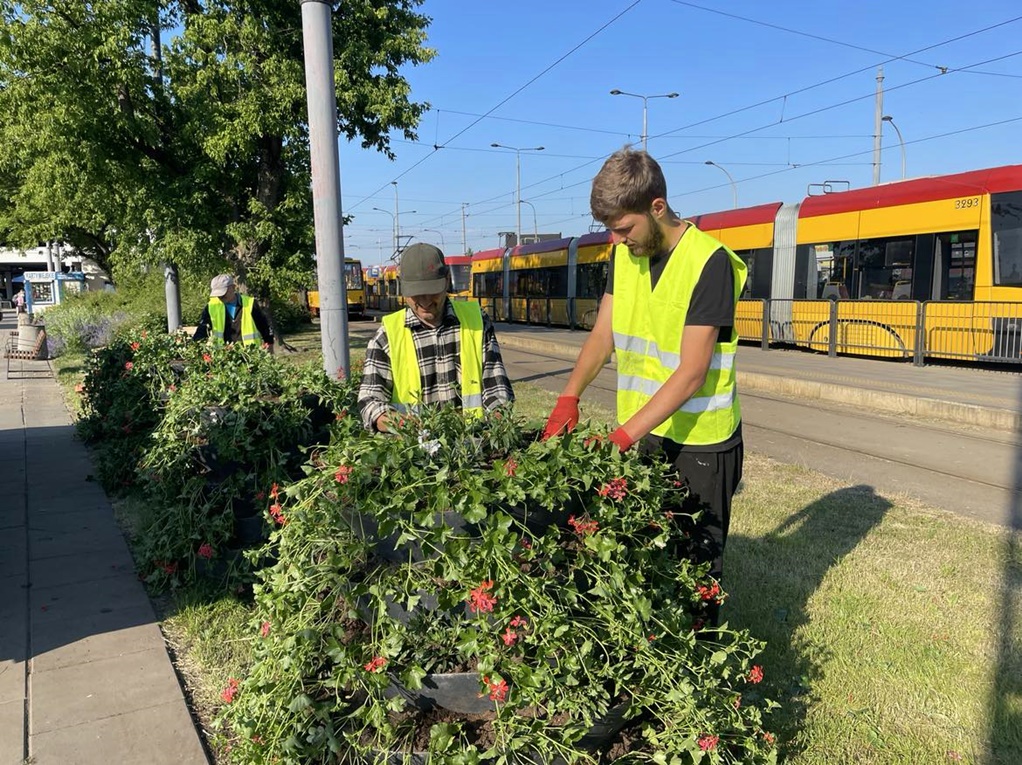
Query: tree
[194, 151]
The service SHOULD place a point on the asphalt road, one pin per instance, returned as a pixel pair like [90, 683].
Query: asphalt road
[968, 471]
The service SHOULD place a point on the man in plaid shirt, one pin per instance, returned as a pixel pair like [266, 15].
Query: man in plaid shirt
[417, 356]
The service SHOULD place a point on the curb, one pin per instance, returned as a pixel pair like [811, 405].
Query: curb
[877, 400]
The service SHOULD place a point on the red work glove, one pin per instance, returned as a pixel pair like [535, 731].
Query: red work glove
[563, 418]
[621, 439]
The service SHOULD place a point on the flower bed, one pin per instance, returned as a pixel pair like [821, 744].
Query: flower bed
[543, 579]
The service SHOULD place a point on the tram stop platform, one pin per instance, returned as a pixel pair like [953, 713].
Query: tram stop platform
[981, 397]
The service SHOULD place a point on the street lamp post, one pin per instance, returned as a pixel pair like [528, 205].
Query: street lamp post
[443, 245]
[518, 182]
[397, 230]
[535, 226]
[645, 100]
[734, 188]
[889, 118]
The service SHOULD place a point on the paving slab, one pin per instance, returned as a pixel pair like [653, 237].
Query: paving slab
[81, 693]
[152, 731]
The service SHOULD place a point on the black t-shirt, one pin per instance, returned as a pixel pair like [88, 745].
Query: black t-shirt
[713, 301]
[712, 305]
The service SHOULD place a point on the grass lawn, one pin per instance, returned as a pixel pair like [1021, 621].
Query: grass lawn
[894, 631]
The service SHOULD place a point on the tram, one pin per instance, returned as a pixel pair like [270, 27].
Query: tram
[929, 267]
[354, 284]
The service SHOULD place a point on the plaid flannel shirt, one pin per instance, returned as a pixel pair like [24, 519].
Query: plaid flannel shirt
[439, 354]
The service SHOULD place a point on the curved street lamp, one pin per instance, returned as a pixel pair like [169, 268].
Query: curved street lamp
[645, 100]
[734, 188]
[889, 118]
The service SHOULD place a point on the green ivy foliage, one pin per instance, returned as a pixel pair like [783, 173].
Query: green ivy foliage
[552, 570]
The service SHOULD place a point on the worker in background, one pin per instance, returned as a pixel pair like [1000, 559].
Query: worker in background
[230, 317]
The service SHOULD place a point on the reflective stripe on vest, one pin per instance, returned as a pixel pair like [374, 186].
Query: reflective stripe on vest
[648, 325]
[218, 320]
[404, 363]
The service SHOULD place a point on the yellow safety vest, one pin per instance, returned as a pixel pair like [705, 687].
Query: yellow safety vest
[648, 325]
[218, 318]
[404, 364]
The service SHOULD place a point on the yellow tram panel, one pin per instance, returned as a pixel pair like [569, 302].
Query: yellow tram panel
[755, 236]
[828, 228]
[922, 217]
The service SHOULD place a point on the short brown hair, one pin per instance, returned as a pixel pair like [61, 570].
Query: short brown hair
[628, 182]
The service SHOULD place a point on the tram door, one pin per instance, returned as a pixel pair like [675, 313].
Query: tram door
[954, 266]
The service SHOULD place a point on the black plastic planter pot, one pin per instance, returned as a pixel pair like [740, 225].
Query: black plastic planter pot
[458, 692]
[366, 527]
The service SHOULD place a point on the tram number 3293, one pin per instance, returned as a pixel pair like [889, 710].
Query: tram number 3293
[967, 202]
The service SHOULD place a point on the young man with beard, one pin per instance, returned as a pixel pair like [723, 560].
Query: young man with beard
[435, 351]
[668, 313]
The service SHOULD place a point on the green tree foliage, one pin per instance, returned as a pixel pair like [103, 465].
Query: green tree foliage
[194, 151]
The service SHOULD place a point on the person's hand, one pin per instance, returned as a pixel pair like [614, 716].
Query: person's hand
[564, 417]
[622, 440]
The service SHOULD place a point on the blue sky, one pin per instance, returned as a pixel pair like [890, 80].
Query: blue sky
[542, 72]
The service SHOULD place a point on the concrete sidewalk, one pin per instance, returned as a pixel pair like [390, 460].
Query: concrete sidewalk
[991, 399]
[85, 678]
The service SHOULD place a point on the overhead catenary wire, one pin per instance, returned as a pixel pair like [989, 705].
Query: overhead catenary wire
[671, 133]
[503, 101]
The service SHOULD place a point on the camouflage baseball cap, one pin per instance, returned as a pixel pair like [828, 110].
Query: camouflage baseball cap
[423, 271]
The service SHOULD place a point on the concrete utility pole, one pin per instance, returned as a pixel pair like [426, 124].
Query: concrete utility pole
[464, 231]
[171, 283]
[878, 125]
[317, 35]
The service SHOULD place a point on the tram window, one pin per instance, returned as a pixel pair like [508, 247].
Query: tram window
[353, 276]
[490, 284]
[954, 265]
[540, 282]
[592, 279]
[834, 269]
[886, 268]
[1006, 225]
[461, 278]
[760, 265]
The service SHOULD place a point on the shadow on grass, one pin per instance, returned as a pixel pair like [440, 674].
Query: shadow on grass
[1004, 737]
[770, 580]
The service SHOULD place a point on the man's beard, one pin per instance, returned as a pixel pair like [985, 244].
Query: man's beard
[654, 243]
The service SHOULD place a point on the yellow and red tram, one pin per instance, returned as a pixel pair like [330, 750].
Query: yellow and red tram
[930, 267]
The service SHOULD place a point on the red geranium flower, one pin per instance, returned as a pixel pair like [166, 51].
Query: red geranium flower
[230, 691]
[583, 527]
[377, 663]
[206, 550]
[616, 488]
[755, 674]
[277, 513]
[128, 364]
[264, 630]
[498, 689]
[479, 600]
[510, 466]
[706, 743]
[342, 474]
[709, 593]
